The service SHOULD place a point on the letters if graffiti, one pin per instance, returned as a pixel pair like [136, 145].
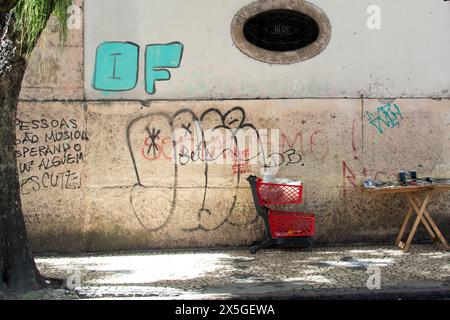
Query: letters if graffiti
[117, 65]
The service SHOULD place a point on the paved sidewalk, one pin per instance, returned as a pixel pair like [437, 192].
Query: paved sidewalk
[327, 272]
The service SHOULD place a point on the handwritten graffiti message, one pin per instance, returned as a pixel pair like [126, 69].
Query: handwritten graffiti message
[387, 116]
[117, 65]
[47, 152]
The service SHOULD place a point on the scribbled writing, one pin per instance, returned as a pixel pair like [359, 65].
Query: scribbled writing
[386, 116]
[48, 151]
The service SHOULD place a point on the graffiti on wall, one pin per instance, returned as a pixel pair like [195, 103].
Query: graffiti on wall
[386, 116]
[157, 147]
[195, 145]
[48, 152]
[156, 130]
[117, 65]
[352, 177]
[315, 144]
[163, 142]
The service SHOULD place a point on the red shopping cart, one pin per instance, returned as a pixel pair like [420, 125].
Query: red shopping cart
[282, 228]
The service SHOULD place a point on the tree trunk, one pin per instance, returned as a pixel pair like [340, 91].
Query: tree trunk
[18, 270]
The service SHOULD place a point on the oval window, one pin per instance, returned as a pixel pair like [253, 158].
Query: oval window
[281, 31]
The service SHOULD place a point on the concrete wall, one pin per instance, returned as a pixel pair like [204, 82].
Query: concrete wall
[407, 57]
[91, 180]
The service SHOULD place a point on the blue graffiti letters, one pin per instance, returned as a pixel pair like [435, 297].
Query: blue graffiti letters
[117, 65]
[157, 57]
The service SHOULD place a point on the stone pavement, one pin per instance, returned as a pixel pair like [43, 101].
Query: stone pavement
[324, 272]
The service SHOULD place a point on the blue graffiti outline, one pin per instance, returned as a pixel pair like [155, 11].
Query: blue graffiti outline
[161, 68]
[94, 81]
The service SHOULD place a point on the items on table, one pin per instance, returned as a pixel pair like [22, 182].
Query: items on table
[404, 179]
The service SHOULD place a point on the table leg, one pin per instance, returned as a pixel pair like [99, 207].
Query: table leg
[417, 221]
[436, 230]
[404, 225]
[427, 217]
[415, 202]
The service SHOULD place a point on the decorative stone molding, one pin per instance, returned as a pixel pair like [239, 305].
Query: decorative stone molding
[280, 57]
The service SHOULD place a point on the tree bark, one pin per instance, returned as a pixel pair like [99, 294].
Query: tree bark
[18, 270]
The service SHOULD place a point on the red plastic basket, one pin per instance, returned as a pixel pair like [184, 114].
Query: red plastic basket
[291, 224]
[274, 193]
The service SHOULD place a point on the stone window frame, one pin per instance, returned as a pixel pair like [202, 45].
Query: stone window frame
[274, 57]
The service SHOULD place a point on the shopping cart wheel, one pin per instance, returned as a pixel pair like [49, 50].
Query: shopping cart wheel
[253, 249]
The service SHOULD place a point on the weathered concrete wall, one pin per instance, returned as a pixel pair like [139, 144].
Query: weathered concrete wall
[100, 175]
[94, 201]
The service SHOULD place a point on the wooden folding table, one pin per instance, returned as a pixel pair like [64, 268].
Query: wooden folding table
[419, 207]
